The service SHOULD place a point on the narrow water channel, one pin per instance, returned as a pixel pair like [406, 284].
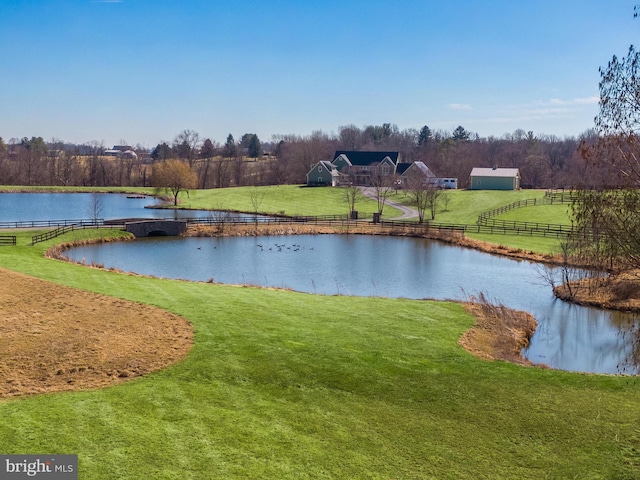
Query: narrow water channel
[568, 337]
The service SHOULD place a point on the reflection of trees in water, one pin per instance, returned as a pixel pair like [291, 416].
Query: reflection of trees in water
[630, 334]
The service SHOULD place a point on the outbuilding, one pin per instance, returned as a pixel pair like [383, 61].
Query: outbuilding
[495, 179]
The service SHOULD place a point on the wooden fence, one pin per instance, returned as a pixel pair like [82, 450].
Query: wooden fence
[551, 196]
[389, 225]
[43, 237]
[7, 239]
[47, 223]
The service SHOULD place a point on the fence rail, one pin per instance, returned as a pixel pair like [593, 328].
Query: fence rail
[520, 225]
[43, 237]
[344, 221]
[244, 220]
[519, 204]
[490, 229]
[7, 239]
[47, 223]
[551, 196]
[560, 195]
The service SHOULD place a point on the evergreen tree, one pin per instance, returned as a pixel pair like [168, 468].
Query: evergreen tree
[460, 134]
[425, 136]
[230, 148]
[255, 148]
[208, 149]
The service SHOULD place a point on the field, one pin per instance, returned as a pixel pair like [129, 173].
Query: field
[286, 385]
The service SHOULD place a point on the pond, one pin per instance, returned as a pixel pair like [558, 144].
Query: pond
[568, 337]
[28, 207]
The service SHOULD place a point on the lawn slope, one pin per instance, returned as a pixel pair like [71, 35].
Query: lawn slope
[287, 385]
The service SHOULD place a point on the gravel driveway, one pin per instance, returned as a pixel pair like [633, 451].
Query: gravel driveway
[407, 212]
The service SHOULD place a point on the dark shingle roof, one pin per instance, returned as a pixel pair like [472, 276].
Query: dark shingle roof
[366, 158]
[402, 167]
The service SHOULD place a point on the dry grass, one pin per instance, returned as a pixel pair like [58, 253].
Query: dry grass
[615, 292]
[55, 338]
[499, 333]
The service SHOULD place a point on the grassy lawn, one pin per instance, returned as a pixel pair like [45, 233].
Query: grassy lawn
[465, 205]
[550, 245]
[557, 213]
[287, 385]
[284, 199]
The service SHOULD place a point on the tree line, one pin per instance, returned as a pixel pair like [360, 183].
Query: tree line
[545, 161]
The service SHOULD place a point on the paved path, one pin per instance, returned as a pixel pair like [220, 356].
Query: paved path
[407, 212]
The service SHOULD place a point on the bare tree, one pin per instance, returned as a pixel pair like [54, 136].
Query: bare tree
[606, 214]
[425, 195]
[239, 167]
[445, 198]
[187, 142]
[256, 196]
[383, 187]
[352, 195]
[95, 208]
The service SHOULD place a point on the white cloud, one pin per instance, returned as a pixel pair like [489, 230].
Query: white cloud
[460, 106]
[574, 101]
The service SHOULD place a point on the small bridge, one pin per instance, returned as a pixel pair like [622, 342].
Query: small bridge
[156, 228]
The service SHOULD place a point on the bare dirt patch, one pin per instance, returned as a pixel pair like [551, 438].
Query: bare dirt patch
[55, 338]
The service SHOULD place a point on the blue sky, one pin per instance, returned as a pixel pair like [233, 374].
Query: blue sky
[143, 70]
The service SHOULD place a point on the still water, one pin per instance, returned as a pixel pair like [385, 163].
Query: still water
[568, 337]
[21, 207]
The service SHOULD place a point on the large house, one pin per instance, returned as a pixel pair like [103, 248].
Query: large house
[367, 168]
[353, 167]
[495, 179]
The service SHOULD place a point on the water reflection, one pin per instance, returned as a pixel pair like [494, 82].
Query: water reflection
[21, 207]
[568, 337]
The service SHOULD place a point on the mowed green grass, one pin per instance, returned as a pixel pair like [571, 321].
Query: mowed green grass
[283, 199]
[282, 385]
[557, 214]
[465, 205]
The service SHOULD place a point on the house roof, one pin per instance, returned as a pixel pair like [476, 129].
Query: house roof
[402, 167]
[495, 172]
[424, 169]
[327, 164]
[366, 158]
